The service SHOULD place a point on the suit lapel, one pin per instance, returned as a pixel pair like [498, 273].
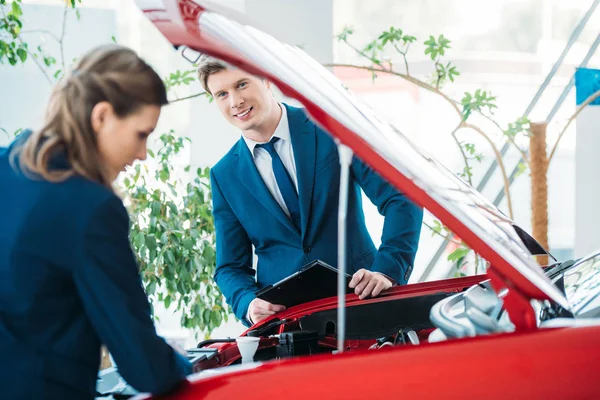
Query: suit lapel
[246, 171]
[304, 142]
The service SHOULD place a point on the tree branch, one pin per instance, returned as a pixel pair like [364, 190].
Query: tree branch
[360, 52]
[439, 76]
[406, 77]
[40, 66]
[510, 139]
[587, 101]
[500, 164]
[447, 237]
[20, 40]
[404, 57]
[462, 151]
[461, 125]
[188, 97]
[62, 36]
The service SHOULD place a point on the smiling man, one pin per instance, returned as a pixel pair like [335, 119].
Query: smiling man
[277, 189]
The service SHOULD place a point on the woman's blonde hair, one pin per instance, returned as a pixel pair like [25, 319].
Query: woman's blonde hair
[110, 73]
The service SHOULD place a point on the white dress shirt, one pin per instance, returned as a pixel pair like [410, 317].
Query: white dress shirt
[264, 163]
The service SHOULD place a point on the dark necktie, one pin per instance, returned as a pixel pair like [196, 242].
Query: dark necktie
[284, 182]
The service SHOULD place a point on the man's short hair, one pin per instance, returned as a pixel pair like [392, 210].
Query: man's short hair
[207, 66]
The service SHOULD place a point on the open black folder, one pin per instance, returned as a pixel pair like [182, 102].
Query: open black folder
[316, 280]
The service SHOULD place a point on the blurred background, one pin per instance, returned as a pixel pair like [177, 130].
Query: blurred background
[505, 47]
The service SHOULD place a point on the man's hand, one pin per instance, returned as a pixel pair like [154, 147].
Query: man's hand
[366, 283]
[260, 309]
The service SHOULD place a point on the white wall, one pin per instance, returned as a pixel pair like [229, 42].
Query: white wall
[587, 166]
[24, 91]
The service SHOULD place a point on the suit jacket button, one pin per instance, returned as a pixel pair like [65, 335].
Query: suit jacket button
[307, 249]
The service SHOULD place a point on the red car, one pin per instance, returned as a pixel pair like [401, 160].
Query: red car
[519, 331]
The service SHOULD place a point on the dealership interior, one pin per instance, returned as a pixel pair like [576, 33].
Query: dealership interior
[299, 188]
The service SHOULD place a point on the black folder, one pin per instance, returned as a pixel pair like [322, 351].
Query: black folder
[316, 280]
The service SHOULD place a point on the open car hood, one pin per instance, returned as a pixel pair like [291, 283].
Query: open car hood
[214, 30]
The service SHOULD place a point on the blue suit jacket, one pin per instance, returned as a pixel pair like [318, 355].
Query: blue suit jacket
[246, 214]
[69, 282]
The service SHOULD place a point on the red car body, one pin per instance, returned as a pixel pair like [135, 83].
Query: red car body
[528, 362]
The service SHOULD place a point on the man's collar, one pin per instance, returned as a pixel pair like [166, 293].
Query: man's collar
[282, 131]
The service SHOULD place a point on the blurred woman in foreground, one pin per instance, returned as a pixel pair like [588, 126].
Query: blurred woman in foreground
[68, 278]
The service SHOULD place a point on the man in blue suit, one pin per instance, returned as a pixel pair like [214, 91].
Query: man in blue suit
[277, 190]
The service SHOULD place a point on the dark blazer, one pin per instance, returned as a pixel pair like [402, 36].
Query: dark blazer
[69, 282]
[246, 214]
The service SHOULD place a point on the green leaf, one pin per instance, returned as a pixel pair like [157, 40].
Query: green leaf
[436, 228]
[22, 54]
[185, 277]
[197, 310]
[188, 243]
[173, 207]
[49, 61]
[206, 315]
[151, 242]
[216, 319]
[521, 168]
[467, 172]
[459, 253]
[113, 39]
[78, 14]
[443, 42]
[151, 288]
[343, 36]
[452, 72]
[167, 301]
[139, 240]
[430, 42]
[170, 257]
[16, 10]
[164, 175]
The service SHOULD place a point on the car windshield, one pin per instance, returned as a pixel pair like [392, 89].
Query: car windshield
[582, 287]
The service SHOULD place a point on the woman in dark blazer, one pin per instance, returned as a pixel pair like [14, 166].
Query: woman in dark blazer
[68, 278]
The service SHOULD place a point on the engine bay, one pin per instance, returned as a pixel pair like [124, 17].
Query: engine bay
[453, 309]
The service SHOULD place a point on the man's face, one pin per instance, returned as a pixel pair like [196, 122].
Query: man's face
[245, 100]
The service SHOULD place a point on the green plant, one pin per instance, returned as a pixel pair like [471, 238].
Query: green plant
[172, 232]
[12, 49]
